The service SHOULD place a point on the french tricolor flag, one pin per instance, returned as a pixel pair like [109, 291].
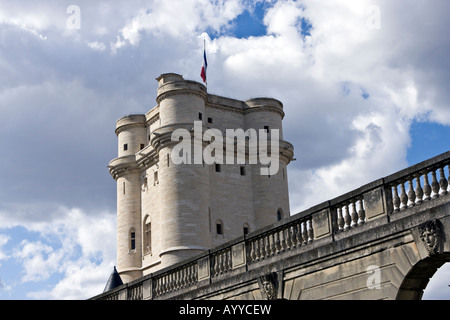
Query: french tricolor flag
[204, 67]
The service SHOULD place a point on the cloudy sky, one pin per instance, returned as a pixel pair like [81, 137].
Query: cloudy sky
[365, 88]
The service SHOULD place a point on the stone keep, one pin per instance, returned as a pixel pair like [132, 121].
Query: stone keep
[168, 212]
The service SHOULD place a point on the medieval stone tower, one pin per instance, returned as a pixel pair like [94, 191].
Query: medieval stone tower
[169, 210]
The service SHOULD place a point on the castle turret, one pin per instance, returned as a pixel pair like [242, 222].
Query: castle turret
[184, 187]
[270, 188]
[131, 133]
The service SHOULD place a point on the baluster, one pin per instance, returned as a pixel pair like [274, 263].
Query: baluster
[304, 232]
[289, 243]
[361, 212]
[216, 265]
[228, 260]
[403, 197]
[272, 244]
[176, 280]
[257, 249]
[283, 240]
[170, 281]
[419, 190]
[277, 242]
[263, 247]
[252, 251]
[347, 217]
[411, 194]
[183, 277]
[267, 245]
[395, 198]
[426, 187]
[354, 214]
[340, 219]
[190, 275]
[296, 235]
[434, 185]
[310, 230]
[442, 181]
[194, 273]
[155, 287]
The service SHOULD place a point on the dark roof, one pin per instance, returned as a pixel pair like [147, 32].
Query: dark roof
[114, 281]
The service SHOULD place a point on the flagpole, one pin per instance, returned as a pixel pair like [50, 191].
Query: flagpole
[204, 51]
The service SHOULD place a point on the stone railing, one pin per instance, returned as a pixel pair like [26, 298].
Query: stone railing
[329, 221]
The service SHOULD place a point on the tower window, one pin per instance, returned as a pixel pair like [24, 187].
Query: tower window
[242, 171]
[132, 240]
[218, 167]
[279, 214]
[219, 227]
[125, 147]
[200, 116]
[155, 178]
[266, 128]
[148, 236]
[142, 146]
[209, 120]
[245, 229]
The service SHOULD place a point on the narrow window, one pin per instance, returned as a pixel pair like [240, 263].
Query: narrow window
[242, 171]
[266, 128]
[219, 228]
[148, 236]
[200, 116]
[125, 147]
[217, 167]
[279, 214]
[209, 120]
[142, 146]
[155, 178]
[246, 228]
[124, 187]
[132, 240]
[168, 163]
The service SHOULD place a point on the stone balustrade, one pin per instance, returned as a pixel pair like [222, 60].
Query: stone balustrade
[377, 202]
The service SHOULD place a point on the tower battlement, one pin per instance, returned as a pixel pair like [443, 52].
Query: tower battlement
[170, 210]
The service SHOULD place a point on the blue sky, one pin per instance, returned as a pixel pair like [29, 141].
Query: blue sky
[364, 88]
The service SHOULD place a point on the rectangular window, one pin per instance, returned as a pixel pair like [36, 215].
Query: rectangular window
[266, 128]
[142, 146]
[242, 171]
[209, 120]
[155, 178]
[125, 147]
[217, 167]
[133, 241]
[200, 116]
[219, 228]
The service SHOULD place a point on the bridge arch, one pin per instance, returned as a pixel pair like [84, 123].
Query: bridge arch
[417, 278]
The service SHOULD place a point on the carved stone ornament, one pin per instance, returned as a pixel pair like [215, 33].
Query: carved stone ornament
[430, 234]
[268, 284]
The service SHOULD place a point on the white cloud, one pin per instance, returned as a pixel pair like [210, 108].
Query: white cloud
[349, 94]
[77, 246]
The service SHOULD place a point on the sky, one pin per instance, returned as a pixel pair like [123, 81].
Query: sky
[364, 84]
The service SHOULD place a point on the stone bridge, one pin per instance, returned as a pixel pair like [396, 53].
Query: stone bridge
[383, 240]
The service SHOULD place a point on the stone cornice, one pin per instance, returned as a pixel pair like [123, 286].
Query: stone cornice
[246, 110]
[174, 92]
